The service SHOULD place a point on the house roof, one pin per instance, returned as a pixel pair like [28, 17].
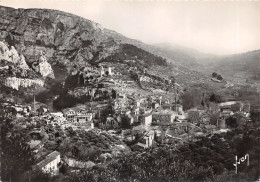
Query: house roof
[146, 115]
[227, 103]
[66, 110]
[171, 104]
[200, 107]
[164, 112]
[255, 107]
[49, 158]
[76, 109]
[101, 105]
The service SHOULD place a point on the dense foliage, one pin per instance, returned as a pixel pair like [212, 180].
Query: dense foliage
[87, 145]
[16, 155]
[217, 98]
[131, 52]
[191, 98]
[209, 159]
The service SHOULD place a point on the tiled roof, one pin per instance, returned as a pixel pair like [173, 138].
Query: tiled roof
[77, 109]
[146, 115]
[49, 158]
[164, 112]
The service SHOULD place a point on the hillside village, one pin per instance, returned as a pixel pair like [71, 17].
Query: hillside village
[77, 103]
[132, 121]
[108, 110]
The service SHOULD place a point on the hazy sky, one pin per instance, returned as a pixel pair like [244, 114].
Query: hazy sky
[211, 27]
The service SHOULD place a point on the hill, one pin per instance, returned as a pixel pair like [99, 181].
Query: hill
[242, 67]
[75, 47]
[178, 55]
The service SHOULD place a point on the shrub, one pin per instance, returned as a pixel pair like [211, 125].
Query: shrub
[214, 74]
[219, 77]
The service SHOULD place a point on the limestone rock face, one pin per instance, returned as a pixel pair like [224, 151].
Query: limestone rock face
[43, 67]
[11, 55]
[65, 38]
[17, 65]
[16, 83]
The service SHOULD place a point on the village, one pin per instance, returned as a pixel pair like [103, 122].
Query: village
[135, 123]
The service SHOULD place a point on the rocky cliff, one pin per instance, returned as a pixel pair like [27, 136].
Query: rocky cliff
[43, 67]
[15, 72]
[64, 38]
[16, 83]
[11, 55]
[70, 42]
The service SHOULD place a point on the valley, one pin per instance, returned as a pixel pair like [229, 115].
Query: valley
[80, 102]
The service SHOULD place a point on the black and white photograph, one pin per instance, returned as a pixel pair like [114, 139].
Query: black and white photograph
[130, 90]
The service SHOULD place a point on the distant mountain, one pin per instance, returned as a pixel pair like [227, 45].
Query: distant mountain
[74, 47]
[241, 68]
[70, 41]
[178, 57]
[193, 53]
[244, 67]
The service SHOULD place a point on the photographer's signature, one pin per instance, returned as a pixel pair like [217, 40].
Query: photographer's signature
[242, 159]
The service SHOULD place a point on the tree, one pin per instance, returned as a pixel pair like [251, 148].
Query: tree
[231, 122]
[191, 98]
[219, 77]
[217, 98]
[113, 94]
[16, 157]
[214, 74]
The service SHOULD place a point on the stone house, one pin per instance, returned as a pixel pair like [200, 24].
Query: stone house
[70, 113]
[105, 70]
[42, 110]
[155, 105]
[172, 106]
[137, 103]
[135, 110]
[146, 119]
[111, 122]
[166, 116]
[146, 140]
[78, 115]
[50, 164]
[84, 116]
[130, 119]
[225, 112]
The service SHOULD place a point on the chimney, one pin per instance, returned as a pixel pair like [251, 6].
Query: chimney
[34, 109]
[175, 103]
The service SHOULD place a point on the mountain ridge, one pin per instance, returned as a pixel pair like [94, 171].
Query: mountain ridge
[72, 44]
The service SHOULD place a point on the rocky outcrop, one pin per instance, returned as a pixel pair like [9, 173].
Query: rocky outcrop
[11, 55]
[16, 83]
[65, 38]
[43, 67]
